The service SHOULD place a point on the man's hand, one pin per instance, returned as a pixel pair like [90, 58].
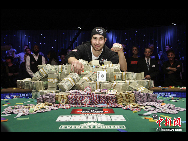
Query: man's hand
[117, 49]
[148, 77]
[77, 66]
[172, 69]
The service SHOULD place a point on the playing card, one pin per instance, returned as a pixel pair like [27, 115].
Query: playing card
[101, 75]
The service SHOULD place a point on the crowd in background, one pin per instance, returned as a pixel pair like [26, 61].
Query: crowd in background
[164, 67]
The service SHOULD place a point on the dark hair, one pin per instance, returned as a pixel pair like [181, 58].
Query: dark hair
[135, 46]
[9, 57]
[147, 48]
[27, 48]
[53, 55]
[170, 51]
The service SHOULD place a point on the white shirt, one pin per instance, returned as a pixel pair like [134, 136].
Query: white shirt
[146, 60]
[28, 69]
[93, 56]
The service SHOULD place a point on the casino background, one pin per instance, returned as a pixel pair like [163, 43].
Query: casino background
[67, 28]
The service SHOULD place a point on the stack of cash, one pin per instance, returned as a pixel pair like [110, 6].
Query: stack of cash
[52, 80]
[39, 85]
[68, 82]
[91, 76]
[19, 84]
[110, 74]
[27, 83]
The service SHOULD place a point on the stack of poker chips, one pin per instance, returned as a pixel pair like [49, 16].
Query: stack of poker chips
[68, 82]
[161, 108]
[50, 98]
[125, 97]
[62, 97]
[145, 97]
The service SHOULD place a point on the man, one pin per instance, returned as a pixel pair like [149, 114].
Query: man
[149, 66]
[21, 54]
[33, 60]
[12, 72]
[172, 69]
[132, 62]
[22, 71]
[96, 50]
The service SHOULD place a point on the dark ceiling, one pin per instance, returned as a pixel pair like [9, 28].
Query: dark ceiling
[87, 19]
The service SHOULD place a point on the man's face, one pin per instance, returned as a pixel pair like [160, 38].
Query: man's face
[26, 47]
[36, 49]
[28, 51]
[62, 57]
[97, 42]
[135, 50]
[170, 56]
[147, 52]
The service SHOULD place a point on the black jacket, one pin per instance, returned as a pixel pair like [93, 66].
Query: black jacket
[172, 79]
[84, 52]
[153, 68]
[34, 63]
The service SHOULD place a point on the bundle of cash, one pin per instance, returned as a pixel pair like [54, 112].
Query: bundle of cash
[52, 80]
[81, 84]
[39, 85]
[19, 84]
[68, 82]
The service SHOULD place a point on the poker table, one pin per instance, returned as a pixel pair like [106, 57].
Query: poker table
[46, 122]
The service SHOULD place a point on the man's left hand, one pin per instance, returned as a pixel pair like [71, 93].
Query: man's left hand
[117, 49]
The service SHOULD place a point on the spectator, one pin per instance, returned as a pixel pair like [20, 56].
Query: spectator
[52, 58]
[62, 56]
[12, 72]
[153, 56]
[132, 62]
[22, 72]
[172, 69]
[149, 66]
[33, 60]
[21, 54]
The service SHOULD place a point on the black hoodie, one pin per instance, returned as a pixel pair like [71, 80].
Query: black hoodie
[84, 52]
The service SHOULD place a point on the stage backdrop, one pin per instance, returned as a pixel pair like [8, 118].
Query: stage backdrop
[57, 39]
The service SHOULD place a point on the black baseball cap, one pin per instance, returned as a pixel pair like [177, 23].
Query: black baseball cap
[99, 30]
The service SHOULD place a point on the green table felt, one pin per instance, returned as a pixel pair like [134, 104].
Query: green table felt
[46, 122]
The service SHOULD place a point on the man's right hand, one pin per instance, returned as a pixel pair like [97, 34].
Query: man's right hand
[77, 66]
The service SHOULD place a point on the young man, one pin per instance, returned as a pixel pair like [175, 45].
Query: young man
[149, 66]
[33, 60]
[96, 50]
[172, 69]
[132, 62]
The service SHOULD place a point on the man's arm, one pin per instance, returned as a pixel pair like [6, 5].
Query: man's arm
[43, 60]
[122, 60]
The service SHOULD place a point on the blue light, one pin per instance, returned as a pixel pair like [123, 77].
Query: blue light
[136, 31]
[44, 37]
[40, 34]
